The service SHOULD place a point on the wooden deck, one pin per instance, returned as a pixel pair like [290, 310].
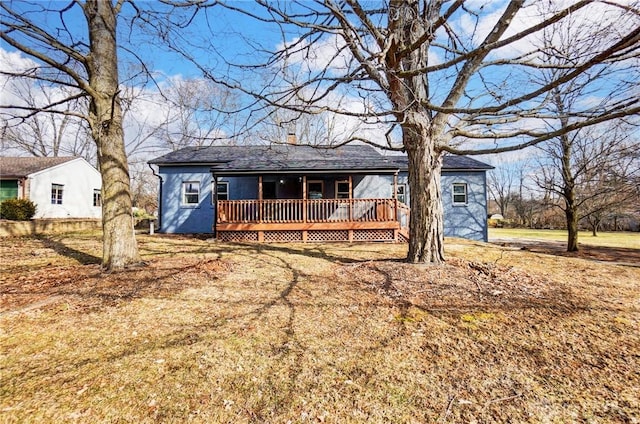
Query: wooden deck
[312, 220]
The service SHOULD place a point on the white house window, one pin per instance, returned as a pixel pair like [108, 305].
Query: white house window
[459, 193]
[401, 193]
[56, 194]
[97, 197]
[342, 190]
[222, 190]
[190, 193]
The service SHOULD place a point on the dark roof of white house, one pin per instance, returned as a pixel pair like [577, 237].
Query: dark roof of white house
[299, 158]
[20, 167]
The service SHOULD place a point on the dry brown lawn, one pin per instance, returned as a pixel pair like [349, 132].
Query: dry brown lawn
[230, 333]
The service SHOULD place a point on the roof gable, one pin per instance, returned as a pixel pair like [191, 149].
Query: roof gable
[20, 167]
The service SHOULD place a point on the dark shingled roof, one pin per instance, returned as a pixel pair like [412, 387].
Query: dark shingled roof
[298, 158]
[20, 167]
[450, 163]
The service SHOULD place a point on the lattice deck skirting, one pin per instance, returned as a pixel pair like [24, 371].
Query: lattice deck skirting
[311, 236]
[373, 235]
[282, 236]
[327, 235]
[238, 236]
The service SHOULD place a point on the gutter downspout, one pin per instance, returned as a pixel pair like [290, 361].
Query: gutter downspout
[153, 171]
[215, 204]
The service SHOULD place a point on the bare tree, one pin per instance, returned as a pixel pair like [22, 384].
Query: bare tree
[194, 114]
[610, 192]
[591, 170]
[506, 184]
[583, 161]
[440, 76]
[320, 130]
[85, 60]
[46, 134]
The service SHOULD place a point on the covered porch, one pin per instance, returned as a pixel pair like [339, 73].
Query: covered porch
[320, 209]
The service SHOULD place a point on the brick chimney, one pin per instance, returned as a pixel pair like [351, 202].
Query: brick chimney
[291, 138]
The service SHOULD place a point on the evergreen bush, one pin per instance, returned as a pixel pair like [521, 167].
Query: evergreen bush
[17, 209]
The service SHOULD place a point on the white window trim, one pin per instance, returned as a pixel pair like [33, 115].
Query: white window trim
[183, 197]
[59, 189]
[99, 193]
[454, 194]
[404, 194]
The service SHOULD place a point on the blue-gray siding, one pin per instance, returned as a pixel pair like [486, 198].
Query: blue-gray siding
[176, 217]
[468, 221]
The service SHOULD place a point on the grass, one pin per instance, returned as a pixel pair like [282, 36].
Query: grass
[212, 332]
[603, 239]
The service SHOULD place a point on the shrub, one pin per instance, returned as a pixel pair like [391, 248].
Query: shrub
[17, 209]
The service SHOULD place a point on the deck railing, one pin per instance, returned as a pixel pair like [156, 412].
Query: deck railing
[307, 210]
[404, 215]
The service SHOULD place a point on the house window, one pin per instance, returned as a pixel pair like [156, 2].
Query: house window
[56, 194]
[269, 190]
[190, 193]
[342, 190]
[97, 197]
[315, 189]
[222, 190]
[460, 194]
[401, 193]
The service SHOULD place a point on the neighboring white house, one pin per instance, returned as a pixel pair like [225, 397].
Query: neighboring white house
[61, 187]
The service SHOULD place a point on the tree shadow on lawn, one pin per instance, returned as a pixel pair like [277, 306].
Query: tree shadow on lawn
[328, 252]
[230, 317]
[619, 255]
[444, 291]
[87, 287]
[62, 249]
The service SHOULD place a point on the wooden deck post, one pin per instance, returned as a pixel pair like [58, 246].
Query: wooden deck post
[259, 198]
[350, 204]
[304, 199]
[395, 196]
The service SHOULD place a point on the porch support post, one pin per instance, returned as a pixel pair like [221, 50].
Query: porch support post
[350, 202]
[395, 196]
[304, 198]
[259, 198]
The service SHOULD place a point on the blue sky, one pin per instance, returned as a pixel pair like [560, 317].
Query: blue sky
[217, 35]
[227, 27]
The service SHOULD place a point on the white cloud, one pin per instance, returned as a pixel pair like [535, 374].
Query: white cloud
[329, 53]
[15, 62]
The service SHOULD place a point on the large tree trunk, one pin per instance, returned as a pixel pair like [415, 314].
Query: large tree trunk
[568, 179]
[119, 243]
[572, 229]
[569, 193]
[426, 226]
